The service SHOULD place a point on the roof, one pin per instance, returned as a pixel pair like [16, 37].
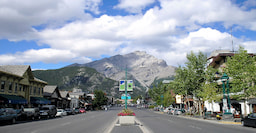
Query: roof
[64, 94]
[18, 70]
[50, 88]
[217, 52]
[167, 81]
[52, 91]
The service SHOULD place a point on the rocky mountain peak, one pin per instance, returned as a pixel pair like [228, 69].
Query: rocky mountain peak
[143, 67]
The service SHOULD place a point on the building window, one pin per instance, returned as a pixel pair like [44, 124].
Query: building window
[16, 88]
[39, 91]
[2, 85]
[20, 87]
[30, 90]
[42, 91]
[10, 86]
[34, 90]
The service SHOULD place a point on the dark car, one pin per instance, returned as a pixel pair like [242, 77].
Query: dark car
[70, 111]
[32, 113]
[8, 115]
[48, 111]
[249, 120]
[77, 111]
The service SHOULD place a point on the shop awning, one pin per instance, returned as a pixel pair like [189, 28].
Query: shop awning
[12, 99]
[39, 100]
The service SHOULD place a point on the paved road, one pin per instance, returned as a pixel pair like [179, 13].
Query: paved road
[163, 123]
[104, 121]
[90, 122]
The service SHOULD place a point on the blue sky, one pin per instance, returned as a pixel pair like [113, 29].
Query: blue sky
[50, 34]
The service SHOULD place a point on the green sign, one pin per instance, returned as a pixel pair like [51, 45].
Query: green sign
[122, 85]
[129, 85]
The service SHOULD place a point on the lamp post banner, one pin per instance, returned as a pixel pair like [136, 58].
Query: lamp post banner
[122, 85]
[129, 85]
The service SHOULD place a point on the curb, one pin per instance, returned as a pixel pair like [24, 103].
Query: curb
[230, 122]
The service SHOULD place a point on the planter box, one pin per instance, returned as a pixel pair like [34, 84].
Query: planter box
[126, 120]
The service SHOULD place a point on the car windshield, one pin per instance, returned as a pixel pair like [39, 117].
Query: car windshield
[253, 115]
[44, 108]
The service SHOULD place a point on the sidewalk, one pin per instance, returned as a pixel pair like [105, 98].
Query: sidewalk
[223, 121]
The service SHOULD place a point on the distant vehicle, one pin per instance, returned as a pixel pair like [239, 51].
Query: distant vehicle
[48, 111]
[70, 111]
[61, 112]
[30, 113]
[249, 120]
[77, 111]
[179, 111]
[171, 111]
[166, 110]
[8, 115]
[82, 110]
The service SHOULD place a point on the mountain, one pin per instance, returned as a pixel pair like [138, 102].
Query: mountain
[141, 67]
[83, 78]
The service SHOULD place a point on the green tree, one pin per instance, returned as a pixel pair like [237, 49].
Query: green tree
[241, 68]
[190, 78]
[157, 93]
[168, 98]
[100, 99]
[210, 90]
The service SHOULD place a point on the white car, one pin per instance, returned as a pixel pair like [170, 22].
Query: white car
[166, 110]
[61, 112]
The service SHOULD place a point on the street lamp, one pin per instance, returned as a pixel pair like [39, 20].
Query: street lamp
[125, 84]
[226, 100]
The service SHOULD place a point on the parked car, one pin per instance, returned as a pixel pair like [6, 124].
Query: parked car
[249, 120]
[82, 110]
[48, 111]
[8, 115]
[32, 113]
[70, 111]
[61, 112]
[179, 111]
[166, 110]
[77, 111]
[171, 111]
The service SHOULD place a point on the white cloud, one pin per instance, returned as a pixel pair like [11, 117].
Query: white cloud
[134, 6]
[249, 46]
[43, 55]
[168, 32]
[19, 17]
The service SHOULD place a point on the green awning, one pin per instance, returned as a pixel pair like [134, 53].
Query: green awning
[12, 99]
[39, 100]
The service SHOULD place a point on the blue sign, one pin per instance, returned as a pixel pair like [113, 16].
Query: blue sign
[123, 96]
